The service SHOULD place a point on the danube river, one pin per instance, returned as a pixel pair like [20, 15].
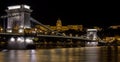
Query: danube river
[81, 54]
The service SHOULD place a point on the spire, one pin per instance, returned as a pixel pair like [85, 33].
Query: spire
[59, 22]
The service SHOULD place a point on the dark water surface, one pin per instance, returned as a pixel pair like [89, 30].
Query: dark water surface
[82, 54]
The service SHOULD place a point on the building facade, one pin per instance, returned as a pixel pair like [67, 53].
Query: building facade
[59, 27]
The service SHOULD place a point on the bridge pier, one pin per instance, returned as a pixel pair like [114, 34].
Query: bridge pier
[20, 42]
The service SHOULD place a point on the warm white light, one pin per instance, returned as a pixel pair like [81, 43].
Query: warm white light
[53, 32]
[91, 29]
[9, 31]
[21, 26]
[21, 30]
[28, 40]
[1, 29]
[35, 29]
[26, 26]
[14, 7]
[8, 27]
[20, 39]
[33, 55]
[94, 43]
[40, 30]
[12, 39]
[18, 7]
[27, 7]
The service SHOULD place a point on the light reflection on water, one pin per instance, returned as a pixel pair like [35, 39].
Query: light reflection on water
[83, 54]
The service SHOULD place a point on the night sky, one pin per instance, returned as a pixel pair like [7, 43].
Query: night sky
[71, 12]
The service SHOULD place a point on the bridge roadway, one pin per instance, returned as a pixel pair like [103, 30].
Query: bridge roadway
[48, 36]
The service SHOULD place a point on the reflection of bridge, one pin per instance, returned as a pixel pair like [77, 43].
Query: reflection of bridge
[19, 16]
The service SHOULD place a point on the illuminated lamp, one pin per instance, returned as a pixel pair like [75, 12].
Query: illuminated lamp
[12, 39]
[28, 40]
[94, 43]
[9, 31]
[21, 30]
[20, 39]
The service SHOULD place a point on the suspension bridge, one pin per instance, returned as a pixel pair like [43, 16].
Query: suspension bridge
[19, 15]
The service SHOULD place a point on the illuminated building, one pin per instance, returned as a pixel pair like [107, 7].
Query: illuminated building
[115, 27]
[60, 27]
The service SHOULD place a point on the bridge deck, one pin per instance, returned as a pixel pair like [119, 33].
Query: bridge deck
[50, 36]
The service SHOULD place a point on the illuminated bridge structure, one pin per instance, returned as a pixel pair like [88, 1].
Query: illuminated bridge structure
[18, 16]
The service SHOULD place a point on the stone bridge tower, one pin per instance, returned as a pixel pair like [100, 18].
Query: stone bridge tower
[18, 18]
[92, 34]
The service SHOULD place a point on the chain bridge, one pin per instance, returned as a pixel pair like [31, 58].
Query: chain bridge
[20, 16]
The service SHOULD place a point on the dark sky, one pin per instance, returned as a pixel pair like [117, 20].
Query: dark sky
[88, 13]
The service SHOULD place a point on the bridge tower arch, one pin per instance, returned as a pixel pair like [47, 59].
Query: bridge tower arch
[18, 18]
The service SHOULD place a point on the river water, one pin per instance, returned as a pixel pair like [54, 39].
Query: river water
[81, 54]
